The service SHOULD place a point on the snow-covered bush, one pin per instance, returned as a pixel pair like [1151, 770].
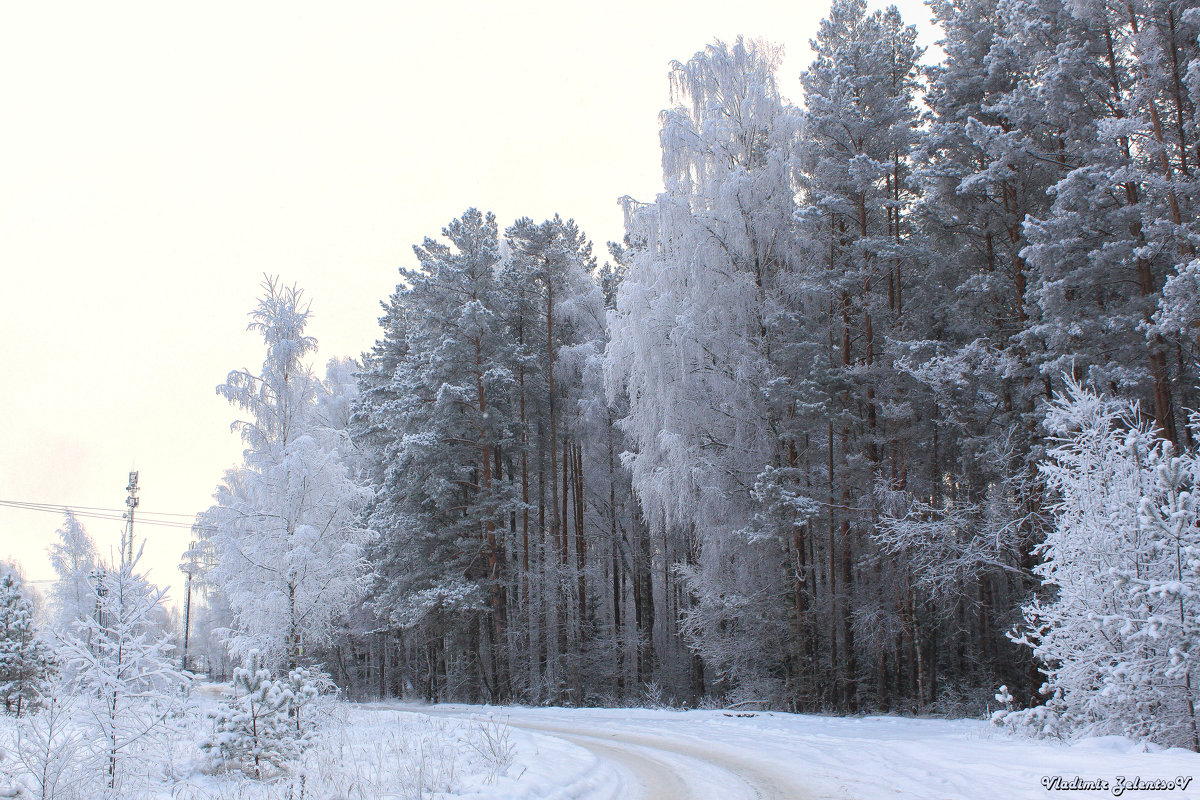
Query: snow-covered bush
[490, 738]
[9, 785]
[1116, 633]
[305, 687]
[50, 746]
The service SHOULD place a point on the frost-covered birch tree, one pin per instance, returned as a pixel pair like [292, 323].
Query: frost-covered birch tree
[691, 346]
[73, 558]
[285, 536]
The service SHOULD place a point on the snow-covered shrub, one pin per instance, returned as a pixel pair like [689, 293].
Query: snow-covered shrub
[252, 730]
[305, 688]
[490, 737]
[50, 746]
[654, 695]
[1116, 634]
[9, 785]
[958, 699]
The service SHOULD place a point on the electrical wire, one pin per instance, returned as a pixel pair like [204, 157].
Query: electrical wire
[160, 519]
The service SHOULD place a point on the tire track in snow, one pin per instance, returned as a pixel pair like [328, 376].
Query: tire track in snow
[674, 769]
[650, 779]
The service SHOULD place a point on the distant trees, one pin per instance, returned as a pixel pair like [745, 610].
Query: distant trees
[74, 558]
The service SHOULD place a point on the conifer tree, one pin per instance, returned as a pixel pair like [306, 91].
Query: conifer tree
[259, 728]
[859, 299]
[556, 334]
[25, 660]
[439, 507]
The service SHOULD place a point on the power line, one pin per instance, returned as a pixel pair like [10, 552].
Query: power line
[160, 519]
[91, 509]
[98, 508]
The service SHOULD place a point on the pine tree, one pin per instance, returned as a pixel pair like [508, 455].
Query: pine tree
[1121, 223]
[259, 728]
[555, 330]
[439, 417]
[965, 522]
[1116, 630]
[25, 660]
[860, 299]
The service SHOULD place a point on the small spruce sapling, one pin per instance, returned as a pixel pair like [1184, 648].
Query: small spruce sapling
[265, 724]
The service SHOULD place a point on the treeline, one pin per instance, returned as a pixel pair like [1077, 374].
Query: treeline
[784, 445]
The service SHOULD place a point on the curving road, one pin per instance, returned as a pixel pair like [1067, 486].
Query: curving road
[675, 768]
[661, 766]
[653, 754]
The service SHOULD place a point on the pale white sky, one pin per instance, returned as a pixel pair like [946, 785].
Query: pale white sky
[156, 158]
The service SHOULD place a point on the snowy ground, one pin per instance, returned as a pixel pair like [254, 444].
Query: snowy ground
[394, 750]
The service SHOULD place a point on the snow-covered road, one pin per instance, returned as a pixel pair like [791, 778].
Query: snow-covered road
[623, 754]
[663, 767]
[636, 762]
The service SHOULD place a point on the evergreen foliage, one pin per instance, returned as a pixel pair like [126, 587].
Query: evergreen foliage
[1116, 633]
[260, 728]
[798, 442]
[25, 660]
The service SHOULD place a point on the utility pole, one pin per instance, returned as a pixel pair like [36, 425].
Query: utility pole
[189, 568]
[131, 502]
[97, 577]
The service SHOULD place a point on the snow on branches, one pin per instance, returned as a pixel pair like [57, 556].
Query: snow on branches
[1115, 631]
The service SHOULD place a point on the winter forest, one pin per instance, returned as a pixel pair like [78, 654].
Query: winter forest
[885, 405]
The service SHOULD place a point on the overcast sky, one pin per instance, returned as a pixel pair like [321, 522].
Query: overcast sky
[157, 158]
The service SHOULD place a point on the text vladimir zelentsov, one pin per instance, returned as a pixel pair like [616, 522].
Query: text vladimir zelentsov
[1118, 785]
